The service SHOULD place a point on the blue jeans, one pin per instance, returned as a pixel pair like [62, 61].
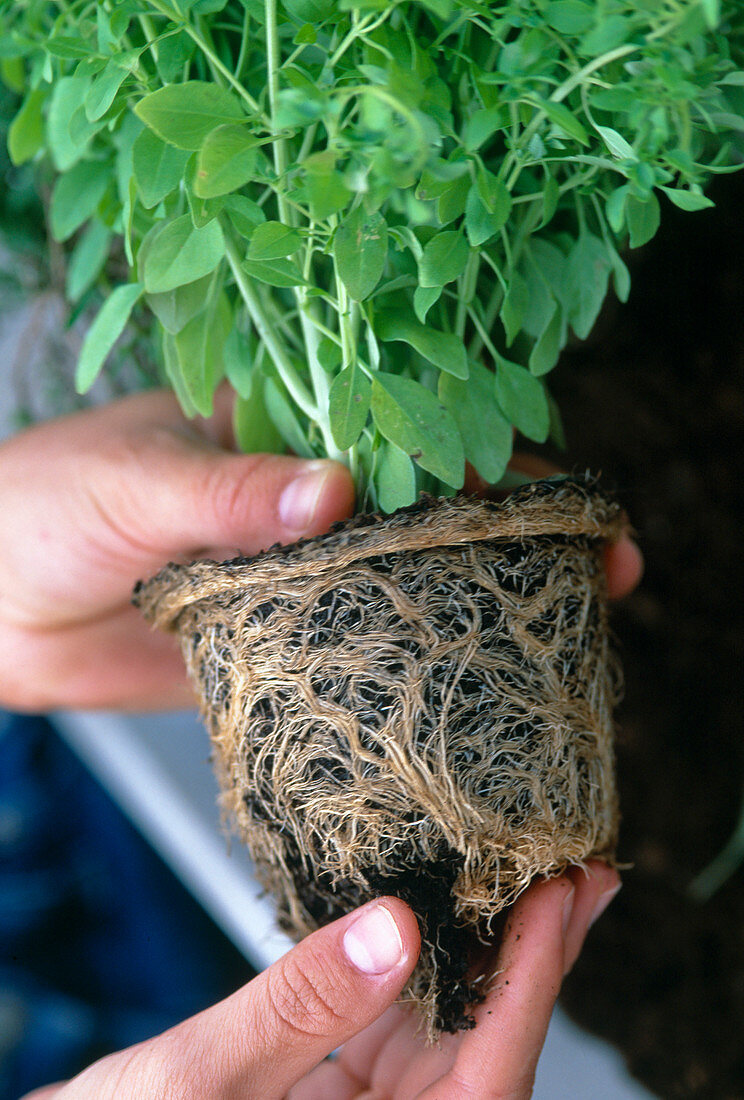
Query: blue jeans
[100, 945]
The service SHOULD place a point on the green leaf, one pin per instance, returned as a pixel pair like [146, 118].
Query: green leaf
[183, 114]
[395, 476]
[282, 272]
[483, 221]
[482, 125]
[241, 362]
[309, 11]
[443, 349]
[561, 117]
[486, 434]
[282, 414]
[587, 274]
[411, 417]
[615, 208]
[181, 254]
[326, 190]
[616, 143]
[643, 218]
[199, 347]
[424, 298]
[570, 16]
[175, 308]
[244, 213]
[254, 429]
[87, 259]
[68, 94]
[102, 91]
[26, 131]
[104, 332]
[348, 406]
[229, 157]
[273, 241]
[76, 196]
[158, 167]
[544, 355]
[360, 247]
[688, 200]
[451, 203]
[514, 307]
[523, 400]
[174, 375]
[444, 257]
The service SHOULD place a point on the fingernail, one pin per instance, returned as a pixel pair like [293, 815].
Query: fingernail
[372, 943]
[568, 904]
[299, 501]
[603, 901]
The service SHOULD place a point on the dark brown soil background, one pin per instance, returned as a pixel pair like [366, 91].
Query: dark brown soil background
[656, 402]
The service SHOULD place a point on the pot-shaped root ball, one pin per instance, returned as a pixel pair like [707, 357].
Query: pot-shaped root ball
[417, 704]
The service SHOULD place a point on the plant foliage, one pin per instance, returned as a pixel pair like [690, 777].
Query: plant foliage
[379, 220]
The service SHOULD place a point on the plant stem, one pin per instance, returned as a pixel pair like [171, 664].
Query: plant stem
[287, 372]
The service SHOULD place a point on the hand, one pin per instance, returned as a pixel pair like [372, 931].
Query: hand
[97, 500]
[93, 502]
[269, 1040]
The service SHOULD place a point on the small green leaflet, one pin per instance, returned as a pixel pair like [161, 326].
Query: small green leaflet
[587, 275]
[482, 125]
[424, 298]
[514, 307]
[411, 417]
[561, 117]
[544, 355]
[643, 219]
[523, 400]
[616, 143]
[360, 247]
[444, 257]
[104, 332]
[76, 195]
[175, 308]
[273, 241]
[158, 167]
[180, 254]
[486, 434]
[199, 350]
[26, 131]
[102, 91]
[87, 259]
[183, 114]
[395, 476]
[281, 272]
[282, 413]
[348, 406]
[228, 158]
[485, 217]
[688, 200]
[255, 432]
[443, 349]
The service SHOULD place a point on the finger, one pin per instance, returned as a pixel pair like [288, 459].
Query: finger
[263, 1039]
[117, 661]
[499, 1057]
[623, 566]
[595, 885]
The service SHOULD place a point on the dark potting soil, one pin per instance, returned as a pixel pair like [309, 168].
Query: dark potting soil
[655, 402]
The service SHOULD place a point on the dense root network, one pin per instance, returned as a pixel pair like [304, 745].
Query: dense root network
[419, 705]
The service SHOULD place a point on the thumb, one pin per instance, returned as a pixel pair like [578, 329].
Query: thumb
[264, 1038]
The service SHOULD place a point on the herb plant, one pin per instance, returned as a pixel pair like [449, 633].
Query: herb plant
[381, 220]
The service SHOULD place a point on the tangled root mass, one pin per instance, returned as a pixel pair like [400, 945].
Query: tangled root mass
[418, 705]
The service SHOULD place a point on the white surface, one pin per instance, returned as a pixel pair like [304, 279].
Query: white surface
[158, 770]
